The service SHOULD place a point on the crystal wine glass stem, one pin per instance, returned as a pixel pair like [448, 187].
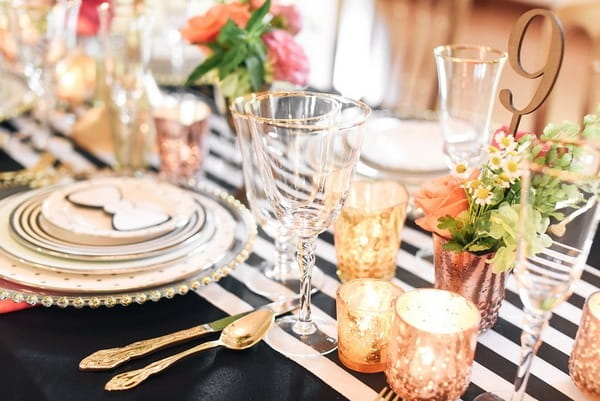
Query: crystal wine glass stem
[306, 260]
[285, 255]
[531, 338]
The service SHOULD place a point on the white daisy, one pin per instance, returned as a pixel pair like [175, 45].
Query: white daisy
[462, 170]
[510, 167]
[483, 195]
[495, 161]
[505, 142]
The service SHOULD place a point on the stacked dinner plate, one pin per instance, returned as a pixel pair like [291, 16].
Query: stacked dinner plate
[117, 239]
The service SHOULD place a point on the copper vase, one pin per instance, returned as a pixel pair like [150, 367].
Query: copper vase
[470, 276]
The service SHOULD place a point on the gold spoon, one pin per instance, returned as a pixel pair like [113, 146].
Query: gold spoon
[239, 335]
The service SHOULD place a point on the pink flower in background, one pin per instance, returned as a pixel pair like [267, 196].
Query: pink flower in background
[289, 60]
[88, 21]
[288, 18]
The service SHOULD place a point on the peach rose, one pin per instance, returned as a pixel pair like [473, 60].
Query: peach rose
[441, 197]
[256, 4]
[205, 28]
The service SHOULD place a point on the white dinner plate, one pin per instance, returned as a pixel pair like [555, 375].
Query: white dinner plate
[223, 222]
[116, 210]
[24, 223]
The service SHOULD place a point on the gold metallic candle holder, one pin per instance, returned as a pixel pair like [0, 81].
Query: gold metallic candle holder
[584, 364]
[367, 232]
[432, 345]
[365, 312]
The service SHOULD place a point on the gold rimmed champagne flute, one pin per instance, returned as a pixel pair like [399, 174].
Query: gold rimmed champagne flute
[306, 167]
[559, 215]
[284, 268]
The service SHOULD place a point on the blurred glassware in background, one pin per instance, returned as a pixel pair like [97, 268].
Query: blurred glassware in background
[43, 31]
[173, 58]
[399, 76]
[284, 269]
[126, 46]
[468, 79]
[181, 123]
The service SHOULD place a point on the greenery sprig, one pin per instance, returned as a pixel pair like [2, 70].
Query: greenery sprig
[237, 48]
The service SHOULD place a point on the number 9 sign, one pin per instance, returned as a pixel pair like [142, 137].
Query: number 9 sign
[548, 72]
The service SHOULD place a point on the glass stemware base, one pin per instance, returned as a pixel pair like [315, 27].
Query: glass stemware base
[315, 336]
[288, 277]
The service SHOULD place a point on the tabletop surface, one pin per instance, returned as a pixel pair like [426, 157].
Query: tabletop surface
[40, 347]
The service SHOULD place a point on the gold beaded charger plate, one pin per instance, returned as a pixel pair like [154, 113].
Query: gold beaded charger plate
[19, 282]
[116, 210]
[26, 229]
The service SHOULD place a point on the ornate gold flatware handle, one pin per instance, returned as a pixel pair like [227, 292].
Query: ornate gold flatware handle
[127, 380]
[112, 357]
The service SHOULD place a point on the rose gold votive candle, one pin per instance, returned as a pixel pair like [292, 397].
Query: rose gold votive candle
[365, 312]
[584, 364]
[432, 345]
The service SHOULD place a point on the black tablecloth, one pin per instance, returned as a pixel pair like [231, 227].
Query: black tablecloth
[40, 350]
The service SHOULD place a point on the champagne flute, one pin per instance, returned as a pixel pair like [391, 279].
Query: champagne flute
[44, 31]
[468, 77]
[559, 215]
[306, 166]
[284, 269]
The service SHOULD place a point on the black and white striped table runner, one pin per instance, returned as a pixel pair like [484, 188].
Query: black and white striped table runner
[497, 351]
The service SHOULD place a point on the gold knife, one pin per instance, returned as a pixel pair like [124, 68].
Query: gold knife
[112, 357]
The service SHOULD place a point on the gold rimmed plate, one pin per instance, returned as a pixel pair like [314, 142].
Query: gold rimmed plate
[25, 227]
[22, 265]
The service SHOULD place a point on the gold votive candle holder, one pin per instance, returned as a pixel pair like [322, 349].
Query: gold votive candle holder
[368, 230]
[365, 312]
[432, 345]
[584, 364]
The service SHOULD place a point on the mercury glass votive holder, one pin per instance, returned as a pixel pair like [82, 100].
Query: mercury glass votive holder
[432, 345]
[368, 230]
[365, 312]
[584, 364]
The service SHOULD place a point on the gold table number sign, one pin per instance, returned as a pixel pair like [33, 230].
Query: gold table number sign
[548, 73]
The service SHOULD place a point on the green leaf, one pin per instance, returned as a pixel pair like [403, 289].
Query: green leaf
[258, 16]
[255, 71]
[208, 64]
[453, 246]
[232, 59]
[257, 48]
[231, 34]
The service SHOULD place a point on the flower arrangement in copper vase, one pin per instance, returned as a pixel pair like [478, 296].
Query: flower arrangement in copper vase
[477, 209]
[249, 44]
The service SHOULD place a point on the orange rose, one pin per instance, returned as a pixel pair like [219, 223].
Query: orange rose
[256, 4]
[441, 197]
[205, 28]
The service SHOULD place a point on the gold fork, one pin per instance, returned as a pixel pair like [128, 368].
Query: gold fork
[386, 394]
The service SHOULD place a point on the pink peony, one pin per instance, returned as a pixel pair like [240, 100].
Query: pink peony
[289, 18]
[289, 61]
[88, 21]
